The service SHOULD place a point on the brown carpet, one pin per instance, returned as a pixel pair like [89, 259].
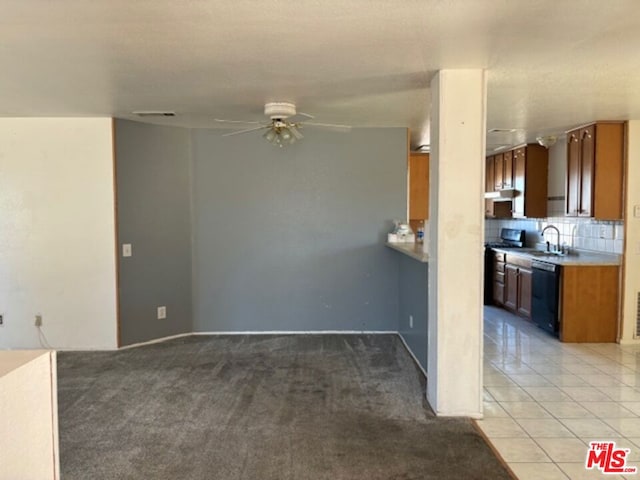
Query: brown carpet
[259, 408]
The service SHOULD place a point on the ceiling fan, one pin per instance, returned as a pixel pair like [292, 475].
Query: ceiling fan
[284, 125]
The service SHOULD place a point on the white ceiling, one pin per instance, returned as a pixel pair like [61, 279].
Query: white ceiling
[551, 64]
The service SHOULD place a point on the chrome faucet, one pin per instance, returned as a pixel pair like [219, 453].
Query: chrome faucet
[557, 232]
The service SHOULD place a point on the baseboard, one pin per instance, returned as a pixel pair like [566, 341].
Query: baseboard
[271, 332]
[633, 341]
[415, 359]
[155, 340]
[301, 332]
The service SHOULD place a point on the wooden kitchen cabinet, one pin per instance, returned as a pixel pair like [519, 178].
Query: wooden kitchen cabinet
[511, 287]
[418, 166]
[595, 160]
[589, 303]
[524, 292]
[498, 278]
[494, 209]
[530, 174]
[524, 169]
[517, 285]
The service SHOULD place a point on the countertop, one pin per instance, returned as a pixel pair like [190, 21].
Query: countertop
[413, 250]
[577, 258]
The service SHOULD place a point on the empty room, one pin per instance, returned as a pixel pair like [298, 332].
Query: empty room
[319, 240]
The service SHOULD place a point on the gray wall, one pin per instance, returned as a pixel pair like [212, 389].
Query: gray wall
[413, 301]
[153, 190]
[293, 238]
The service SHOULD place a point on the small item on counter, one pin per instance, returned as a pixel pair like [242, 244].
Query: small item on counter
[420, 233]
[402, 233]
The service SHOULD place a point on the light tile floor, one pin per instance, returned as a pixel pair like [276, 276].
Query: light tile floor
[544, 400]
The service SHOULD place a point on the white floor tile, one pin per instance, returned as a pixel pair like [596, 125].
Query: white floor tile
[494, 410]
[621, 394]
[627, 427]
[564, 449]
[547, 394]
[537, 471]
[586, 394]
[501, 428]
[593, 428]
[633, 406]
[601, 380]
[531, 380]
[567, 380]
[525, 410]
[508, 394]
[566, 410]
[577, 471]
[545, 428]
[520, 450]
[608, 410]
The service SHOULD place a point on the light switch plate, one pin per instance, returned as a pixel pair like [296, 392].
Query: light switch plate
[126, 250]
[162, 313]
[636, 211]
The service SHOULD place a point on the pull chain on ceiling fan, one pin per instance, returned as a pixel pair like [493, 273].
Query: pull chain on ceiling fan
[284, 127]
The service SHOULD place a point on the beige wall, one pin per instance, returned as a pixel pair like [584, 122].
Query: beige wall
[28, 416]
[57, 232]
[632, 228]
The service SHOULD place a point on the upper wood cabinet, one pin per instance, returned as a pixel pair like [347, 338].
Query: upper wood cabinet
[524, 169]
[595, 159]
[530, 180]
[418, 187]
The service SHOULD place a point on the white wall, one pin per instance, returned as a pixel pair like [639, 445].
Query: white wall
[28, 416]
[57, 234]
[632, 250]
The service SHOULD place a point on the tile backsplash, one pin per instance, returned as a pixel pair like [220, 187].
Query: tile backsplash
[581, 233]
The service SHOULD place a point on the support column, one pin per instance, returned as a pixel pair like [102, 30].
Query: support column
[456, 236]
[631, 275]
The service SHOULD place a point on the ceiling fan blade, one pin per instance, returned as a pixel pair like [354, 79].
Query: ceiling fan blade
[246, 130]
[295, 132]
[329, 126]
[237, 121]
[300, 117]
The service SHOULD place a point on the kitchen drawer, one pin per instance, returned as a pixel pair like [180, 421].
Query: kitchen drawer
[519, 261]
[499, 256]
[498, 277]
[498, 267]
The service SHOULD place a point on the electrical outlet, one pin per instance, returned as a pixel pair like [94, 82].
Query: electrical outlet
[126, 250]
[410, 321]
[636, 211]
[1, 320]
[38, 320]
[162, 313]
[603, 231]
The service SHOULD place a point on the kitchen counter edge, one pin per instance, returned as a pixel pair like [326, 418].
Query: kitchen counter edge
[580, 259]
[413, 250]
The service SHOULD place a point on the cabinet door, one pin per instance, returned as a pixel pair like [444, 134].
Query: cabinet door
[507, 170]
[573, 173]
[511, 287]
[519, 164]
[498, 294]
[524, 292]
[499, 171]
[419, 186]
[489, 186]
[587, 161]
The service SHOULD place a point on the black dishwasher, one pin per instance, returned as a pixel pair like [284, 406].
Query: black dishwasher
[545, 290]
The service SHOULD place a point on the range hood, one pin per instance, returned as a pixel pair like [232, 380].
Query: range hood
[501, 195]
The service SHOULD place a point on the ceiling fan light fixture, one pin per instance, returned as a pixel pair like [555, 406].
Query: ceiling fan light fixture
[269, 135]
[547, 141]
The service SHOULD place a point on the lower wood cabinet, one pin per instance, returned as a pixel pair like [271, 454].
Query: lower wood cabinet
[517, 285]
